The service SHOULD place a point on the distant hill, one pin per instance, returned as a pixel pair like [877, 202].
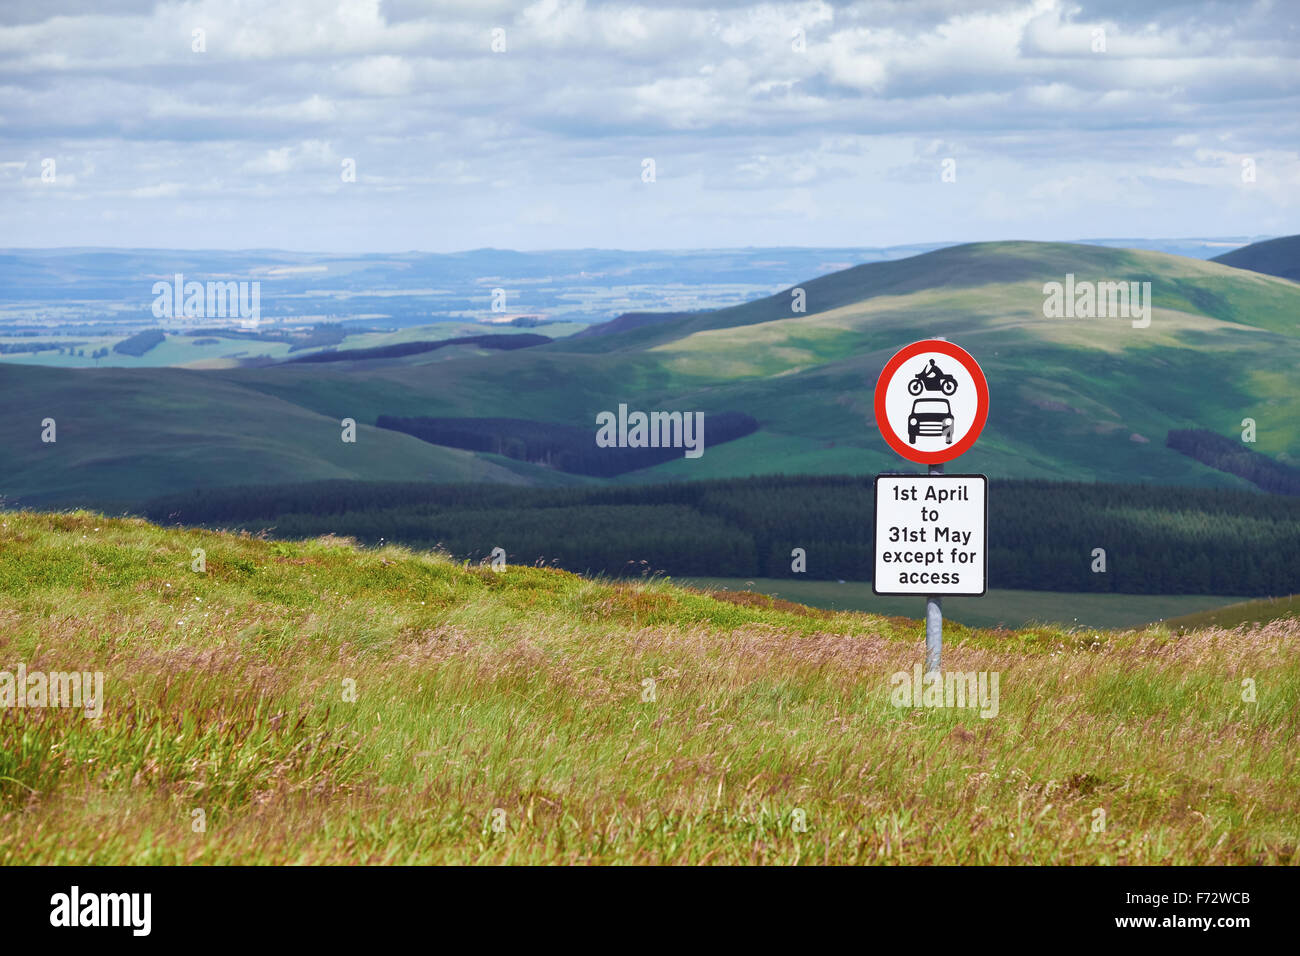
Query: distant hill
[1076, 399]
[1179, 284]
[121, 434]
[522, 340]
[627, 322]
[1071, 398]
[1274, 257]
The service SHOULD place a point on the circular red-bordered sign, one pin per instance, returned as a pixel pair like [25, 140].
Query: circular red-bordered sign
[932, 401]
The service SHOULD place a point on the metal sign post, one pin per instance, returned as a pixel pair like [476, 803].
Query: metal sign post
[934, 618]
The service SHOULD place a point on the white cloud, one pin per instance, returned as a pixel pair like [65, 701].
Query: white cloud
[310, 154]
[458, 145]
[160, 191]
[379, 75]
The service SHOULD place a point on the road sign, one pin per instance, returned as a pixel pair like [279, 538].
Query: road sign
[931, 401]
[931, 535]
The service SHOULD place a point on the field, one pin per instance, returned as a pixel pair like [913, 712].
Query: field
[205, 351]
[1001, 607]
[313, 702]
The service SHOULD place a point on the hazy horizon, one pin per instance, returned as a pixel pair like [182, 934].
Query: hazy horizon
[1225, 242]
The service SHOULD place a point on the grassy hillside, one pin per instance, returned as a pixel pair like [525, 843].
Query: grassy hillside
[1089, 399]
[1071, 398]
[121, 433]
[313, 703]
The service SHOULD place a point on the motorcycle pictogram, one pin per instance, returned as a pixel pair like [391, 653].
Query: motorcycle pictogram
[932, 379]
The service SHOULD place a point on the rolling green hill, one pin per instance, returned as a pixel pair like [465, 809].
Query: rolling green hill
[1275, 257]
[121, 432]
[1089, 399]
[1071, 398]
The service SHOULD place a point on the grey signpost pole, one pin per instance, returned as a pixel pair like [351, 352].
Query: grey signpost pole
[933, 618]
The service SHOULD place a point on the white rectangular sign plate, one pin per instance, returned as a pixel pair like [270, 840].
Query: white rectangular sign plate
[931, 535]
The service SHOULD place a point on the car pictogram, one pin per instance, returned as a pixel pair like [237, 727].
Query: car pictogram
[930, 416]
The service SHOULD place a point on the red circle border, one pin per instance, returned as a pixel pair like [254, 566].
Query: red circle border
[981, 401]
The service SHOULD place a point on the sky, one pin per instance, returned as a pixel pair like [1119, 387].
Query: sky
[564, 124]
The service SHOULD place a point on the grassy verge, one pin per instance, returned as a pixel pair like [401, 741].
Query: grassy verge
[311, 702]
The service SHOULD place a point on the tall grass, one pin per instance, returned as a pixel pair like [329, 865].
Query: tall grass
[509, 718]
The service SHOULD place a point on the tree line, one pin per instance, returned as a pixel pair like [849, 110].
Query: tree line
[1043, 535]
[503, 342]
[136, 345]
[563, 447]
[1228, 454]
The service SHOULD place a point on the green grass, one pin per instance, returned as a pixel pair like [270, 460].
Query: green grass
[311, 702]
[1259, 611]
[998, 608]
